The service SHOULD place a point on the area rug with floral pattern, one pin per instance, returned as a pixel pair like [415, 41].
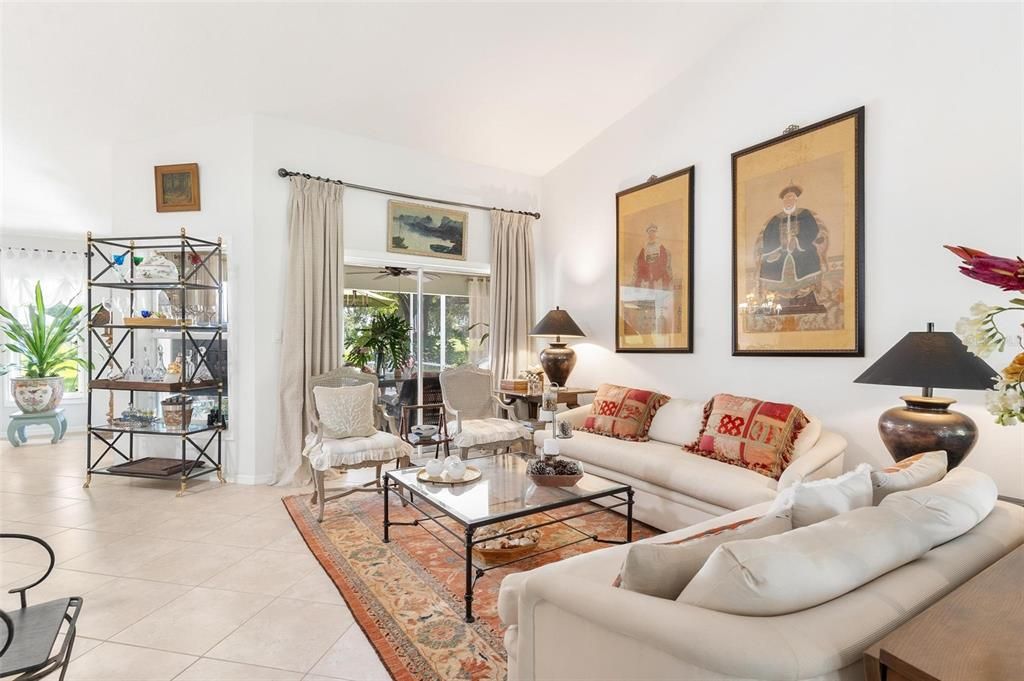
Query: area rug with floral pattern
[407, 595]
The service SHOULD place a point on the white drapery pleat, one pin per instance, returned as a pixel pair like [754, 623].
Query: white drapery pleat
[314, 296]
[479, 289]
[61, 274]
[512, 293]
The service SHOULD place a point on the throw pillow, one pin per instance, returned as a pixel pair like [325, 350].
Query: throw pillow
[913, 472]
[664, 569]
[749, 433]
[623, 413]
[818, 500]
[797, 570]
[677, 422]
[346, 411]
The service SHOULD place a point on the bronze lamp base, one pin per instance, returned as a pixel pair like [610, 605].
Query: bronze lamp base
[926, 424]
[558, 361]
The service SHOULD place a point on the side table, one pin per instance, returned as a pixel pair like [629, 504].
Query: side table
[972, 634]
[567, 396]
[19, 421]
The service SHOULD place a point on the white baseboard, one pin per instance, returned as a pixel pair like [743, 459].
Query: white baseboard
[249, 479]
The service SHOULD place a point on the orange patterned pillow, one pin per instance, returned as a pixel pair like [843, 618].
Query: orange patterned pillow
[623, 413]
[749, 433]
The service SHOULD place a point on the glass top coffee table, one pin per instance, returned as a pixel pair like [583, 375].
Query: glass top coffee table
[503, 492]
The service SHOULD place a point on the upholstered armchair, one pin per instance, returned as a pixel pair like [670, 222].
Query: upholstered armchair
[345, 454]
[467, 393]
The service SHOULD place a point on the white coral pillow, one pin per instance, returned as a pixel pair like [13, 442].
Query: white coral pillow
[910, 473]
[664, 569]
[346, 411]
[817, 500]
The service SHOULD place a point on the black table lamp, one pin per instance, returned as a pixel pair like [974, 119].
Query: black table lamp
[557, 360]
[929, 359]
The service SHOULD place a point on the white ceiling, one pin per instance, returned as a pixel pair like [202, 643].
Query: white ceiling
[512, 85]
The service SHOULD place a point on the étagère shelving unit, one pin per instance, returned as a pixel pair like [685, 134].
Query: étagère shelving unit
[184, 309]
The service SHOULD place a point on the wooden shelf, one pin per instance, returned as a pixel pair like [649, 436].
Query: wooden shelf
[151, 386]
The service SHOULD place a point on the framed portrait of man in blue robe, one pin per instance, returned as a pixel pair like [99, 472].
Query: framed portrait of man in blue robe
[798, 242]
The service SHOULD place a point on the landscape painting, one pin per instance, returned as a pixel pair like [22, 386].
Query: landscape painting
[177, 187]
[416, 229]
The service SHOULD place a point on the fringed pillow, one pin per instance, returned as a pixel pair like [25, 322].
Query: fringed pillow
[623, 413]
[750, 433]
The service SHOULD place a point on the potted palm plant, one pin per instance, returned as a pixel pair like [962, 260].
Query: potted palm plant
[48, 342]
[385, 340]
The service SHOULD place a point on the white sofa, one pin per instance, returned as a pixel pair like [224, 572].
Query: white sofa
[674, 488]
[566, 622]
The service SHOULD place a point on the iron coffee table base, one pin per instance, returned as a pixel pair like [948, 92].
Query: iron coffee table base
[433, 516]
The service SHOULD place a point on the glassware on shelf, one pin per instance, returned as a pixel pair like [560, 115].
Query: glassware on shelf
[202, 370]
[133, 373]
[188, 375]
[121, 266]
[174, 371]
[160, 370]
[147, 367]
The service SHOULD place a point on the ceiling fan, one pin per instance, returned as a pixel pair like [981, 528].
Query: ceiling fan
[393, 271]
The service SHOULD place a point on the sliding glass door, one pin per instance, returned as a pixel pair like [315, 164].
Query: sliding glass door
[408, 324]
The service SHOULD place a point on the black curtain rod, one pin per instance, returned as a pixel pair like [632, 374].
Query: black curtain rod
[291, 173]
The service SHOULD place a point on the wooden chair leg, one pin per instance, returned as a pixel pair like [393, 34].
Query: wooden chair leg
[316, 494]
[319, 478]
[378, 468]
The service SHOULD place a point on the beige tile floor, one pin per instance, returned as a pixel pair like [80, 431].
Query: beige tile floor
[216, 585]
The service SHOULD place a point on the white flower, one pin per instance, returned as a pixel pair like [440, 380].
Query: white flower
[981, 310]
[1006, 403]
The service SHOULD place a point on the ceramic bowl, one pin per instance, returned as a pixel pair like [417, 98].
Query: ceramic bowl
[424, 430]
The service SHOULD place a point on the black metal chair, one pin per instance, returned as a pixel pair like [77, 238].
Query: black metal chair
[31, 631]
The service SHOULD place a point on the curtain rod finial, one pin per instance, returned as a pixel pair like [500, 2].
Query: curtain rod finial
[281, 172]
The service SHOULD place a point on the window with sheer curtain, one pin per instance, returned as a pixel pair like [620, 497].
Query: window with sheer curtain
[62, 277]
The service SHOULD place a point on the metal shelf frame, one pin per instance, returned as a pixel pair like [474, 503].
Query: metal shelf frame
[203, 442]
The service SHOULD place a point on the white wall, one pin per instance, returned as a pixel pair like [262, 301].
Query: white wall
[280, 143]
[224, 154]
[942, 86]
[245, 201]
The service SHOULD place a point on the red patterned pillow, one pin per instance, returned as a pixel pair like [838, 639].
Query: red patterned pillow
[750, 433]
[623, 413]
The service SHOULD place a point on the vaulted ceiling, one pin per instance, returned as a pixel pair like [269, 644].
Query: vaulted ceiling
[519, 86]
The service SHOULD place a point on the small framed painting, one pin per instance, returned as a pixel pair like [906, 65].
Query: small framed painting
[416, 229]
[798, 242]
[654, 265]
[177, 187]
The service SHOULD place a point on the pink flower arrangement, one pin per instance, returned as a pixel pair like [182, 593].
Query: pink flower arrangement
[982, 336]
[1006, 273]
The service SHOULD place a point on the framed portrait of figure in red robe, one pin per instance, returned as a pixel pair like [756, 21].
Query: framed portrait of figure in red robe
[798, 242]
[654, 265]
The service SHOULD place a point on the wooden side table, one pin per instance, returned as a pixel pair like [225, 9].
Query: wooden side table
[567, 396]
[973, 634]
[19, 421]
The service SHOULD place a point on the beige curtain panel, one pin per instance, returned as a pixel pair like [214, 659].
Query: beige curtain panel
[479, 289]
[512, 293]
[311, 336]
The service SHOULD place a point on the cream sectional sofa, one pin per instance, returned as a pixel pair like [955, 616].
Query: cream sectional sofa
[565, 621]
[674, 488]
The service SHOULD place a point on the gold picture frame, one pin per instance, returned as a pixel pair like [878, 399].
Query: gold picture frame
[177, 187]
[798, 242]
[654, 265]
[418, 229]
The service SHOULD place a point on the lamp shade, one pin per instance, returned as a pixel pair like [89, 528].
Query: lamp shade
[557, 323]
[930, 359]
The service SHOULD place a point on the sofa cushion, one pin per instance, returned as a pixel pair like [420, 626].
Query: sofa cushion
[663, 568]
[346, 411]
[669, 467]
[623, 413]
[817, 500]
[811, 565]
[355, 451]
[910, 473]
[747, 432]
[479, 432]
[807, 438]
[677, 422]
